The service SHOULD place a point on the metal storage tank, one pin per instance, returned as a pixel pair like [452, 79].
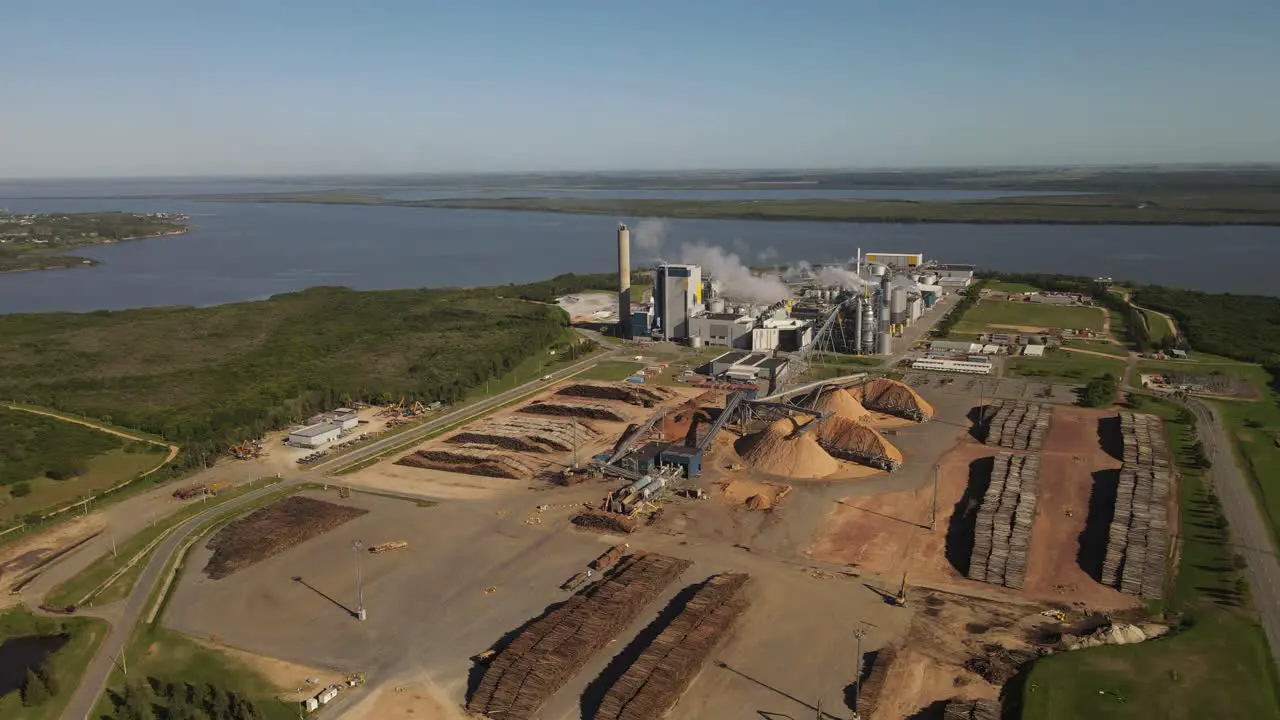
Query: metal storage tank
[717, 305]
[898, 301]
[695, 341]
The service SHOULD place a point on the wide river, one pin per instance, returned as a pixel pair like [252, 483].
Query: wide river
[246, 251]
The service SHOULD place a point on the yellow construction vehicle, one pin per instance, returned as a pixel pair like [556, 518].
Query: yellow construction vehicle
[355, 679]
[900, 600]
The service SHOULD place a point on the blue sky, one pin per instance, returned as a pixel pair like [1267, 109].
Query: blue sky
[142, 87]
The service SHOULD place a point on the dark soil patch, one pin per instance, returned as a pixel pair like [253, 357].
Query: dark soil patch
[272, 530]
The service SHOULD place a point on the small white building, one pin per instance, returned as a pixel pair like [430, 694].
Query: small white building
[1033, 350]
[345, 418]
[956, 366]
[314, 436]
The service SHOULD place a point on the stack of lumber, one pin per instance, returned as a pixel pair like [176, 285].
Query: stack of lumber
[1137, 539]
[1002, 532]
[652, 684]
[958, 709]
[552, 649]
[1017, 424]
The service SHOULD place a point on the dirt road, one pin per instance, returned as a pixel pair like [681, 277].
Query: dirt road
[173, 449]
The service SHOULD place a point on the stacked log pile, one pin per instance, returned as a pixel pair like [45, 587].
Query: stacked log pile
[1002, 532]
[522, 434]
[604, 522]
[1138, 537]
[650, 687]
[552, 649]
[958, 709]
[594, 411]
[1017, 424]
[628, 393]
[470, 460]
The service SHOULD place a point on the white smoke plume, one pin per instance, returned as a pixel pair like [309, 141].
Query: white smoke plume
[648, 236]
[799, 271]
[832, 275]
[736, 278]
[904, 281]
[767, 255]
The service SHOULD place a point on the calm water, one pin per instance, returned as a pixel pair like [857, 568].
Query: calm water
[251, 251]
[19, 654]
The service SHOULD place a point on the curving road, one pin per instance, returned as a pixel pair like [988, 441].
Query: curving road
[98, 672]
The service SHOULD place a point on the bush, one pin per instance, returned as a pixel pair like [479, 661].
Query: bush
[66, 470]
[1100, 391]
[21, 489]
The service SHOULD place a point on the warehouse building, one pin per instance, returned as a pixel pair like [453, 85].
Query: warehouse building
[314, 436]
[722, 330]
[956, 366]
[901, 261]
[345, 418]
[954, 276]
[954, 347]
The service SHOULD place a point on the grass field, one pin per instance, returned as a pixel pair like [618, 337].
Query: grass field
[1217, 666]
[65, 666]
[1255, 428]
[1106, 348]
[1065, 366]
[1003, 315]
[611, 370]
[102, 471]
[1157, 327]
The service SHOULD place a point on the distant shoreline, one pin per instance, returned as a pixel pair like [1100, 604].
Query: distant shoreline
[1217, 209]
[71, 262]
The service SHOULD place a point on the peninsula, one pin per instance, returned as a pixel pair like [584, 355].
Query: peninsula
[39, 241]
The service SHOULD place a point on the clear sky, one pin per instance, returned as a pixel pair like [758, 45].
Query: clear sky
[165, 87]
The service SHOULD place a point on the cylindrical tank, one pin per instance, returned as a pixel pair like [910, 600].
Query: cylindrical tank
[878, 270]
[857, 324]
[695, 341]
[868, 327]
[898, 301]
[717, 305]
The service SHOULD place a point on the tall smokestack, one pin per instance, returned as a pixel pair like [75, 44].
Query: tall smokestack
[624, 281]
[885, 343]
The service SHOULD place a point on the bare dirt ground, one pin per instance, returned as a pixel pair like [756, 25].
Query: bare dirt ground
[420, 700]
[946, 631]
[753, 494]
[18, 558]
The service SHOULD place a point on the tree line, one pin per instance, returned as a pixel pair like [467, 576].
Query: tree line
[944, 326]
[156, 699]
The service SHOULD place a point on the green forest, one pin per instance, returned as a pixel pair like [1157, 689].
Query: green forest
[1243, 327]
[205, 377]
[35, 445]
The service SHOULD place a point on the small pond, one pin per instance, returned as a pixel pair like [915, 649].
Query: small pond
[20, 654]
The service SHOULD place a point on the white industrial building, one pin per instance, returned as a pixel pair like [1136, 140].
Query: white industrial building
[955, 276]
[345, 418]
[956, 366]
[901, 261]
[314, 436]
[1033, 350]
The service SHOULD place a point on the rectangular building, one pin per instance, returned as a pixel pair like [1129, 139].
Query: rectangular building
[677, 295]
[901, 261]
[314, 436]
[954, 276]
[722, 330]
[955, 366]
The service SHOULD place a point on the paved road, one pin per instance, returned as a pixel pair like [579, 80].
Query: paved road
[94, 679]
[1249, 530]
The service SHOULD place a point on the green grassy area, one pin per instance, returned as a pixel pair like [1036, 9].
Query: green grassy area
[1011, 287]
[101, 472]
[1157, 326]
[1255, 430]
[205, 377]
[166, 658]
[63, 667]
[1064, 366]
[1217, 665]
[611, 370]
[73, 589]
[1106, 348]
[988, 314]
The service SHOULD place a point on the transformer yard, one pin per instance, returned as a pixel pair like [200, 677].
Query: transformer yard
[626, 550]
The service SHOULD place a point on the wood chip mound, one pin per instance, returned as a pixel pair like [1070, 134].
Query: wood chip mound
[839, 402]
[850, 440]
[651, 685]
[778, 451]
[894, 398]
[272, 530]
[552, 649]
[593, 411]
[525, 434]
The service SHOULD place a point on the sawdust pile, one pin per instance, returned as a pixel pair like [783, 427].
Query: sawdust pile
[841, 435]
[894, 398]
[775, 450]
[840, 404]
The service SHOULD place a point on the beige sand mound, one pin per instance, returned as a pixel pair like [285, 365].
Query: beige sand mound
[854, 437]
[892, 397]
[775, 451]
[841, 404]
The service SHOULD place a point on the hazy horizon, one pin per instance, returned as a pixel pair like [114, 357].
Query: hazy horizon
[147, 89]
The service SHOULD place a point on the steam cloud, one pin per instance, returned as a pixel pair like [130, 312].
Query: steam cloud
[648, 235]
[840, 277]
[737, 280]
[768, 255]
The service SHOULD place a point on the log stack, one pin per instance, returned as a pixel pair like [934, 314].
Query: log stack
[1016, 424]
[958, 709]
[1002, 531]
[652, 684]
[553, 648]
[1137, 539]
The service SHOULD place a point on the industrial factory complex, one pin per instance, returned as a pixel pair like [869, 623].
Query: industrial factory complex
[722, 512]
[856, 308]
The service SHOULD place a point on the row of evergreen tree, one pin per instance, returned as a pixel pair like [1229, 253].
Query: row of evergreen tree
[156, 699]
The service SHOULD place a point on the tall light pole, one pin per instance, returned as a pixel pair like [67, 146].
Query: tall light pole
[357, 546]
[857, 679]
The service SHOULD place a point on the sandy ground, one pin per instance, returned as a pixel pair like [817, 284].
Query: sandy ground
[889, 533]
[737, 492]
[589, 306]
[18, 558]
[420, 700]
